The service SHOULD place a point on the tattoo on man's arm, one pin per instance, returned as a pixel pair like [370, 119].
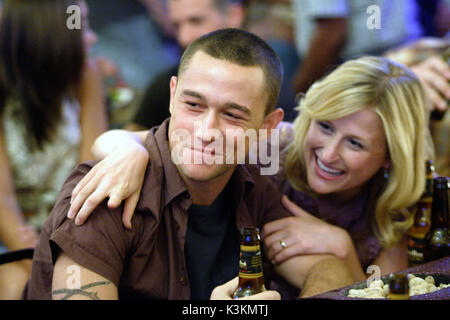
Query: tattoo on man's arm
[82, 291]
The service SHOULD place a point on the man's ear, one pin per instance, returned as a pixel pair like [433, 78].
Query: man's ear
[173, 87]
[272, 120]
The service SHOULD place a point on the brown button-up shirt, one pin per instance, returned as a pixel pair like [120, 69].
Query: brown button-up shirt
[147, 261]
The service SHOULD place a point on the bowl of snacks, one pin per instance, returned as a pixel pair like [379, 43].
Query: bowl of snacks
[419, 285]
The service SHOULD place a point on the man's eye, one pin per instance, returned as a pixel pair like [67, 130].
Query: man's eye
[233, 116]
[193, 104]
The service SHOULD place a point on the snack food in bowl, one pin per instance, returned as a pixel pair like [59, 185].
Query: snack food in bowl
[378, 289]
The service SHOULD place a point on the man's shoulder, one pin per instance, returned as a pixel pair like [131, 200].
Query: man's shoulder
[102, 241]
[101, 215]
[76, 175]
[60, 208]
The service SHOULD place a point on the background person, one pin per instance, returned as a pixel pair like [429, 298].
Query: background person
[194, 18]
[51, 111]
[425, 58]
[190, 19]
[130, 36]
[329, 32]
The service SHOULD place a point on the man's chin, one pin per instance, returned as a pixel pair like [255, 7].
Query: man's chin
[201, 172]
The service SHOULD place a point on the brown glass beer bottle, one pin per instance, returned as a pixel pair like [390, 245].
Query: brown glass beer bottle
[251, 280]
[437, 239]
[399, 287]
[422, 215]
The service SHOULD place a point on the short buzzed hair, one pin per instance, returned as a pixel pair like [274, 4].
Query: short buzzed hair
[242, 48]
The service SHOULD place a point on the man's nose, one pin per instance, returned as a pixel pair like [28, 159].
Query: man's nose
[208, 127]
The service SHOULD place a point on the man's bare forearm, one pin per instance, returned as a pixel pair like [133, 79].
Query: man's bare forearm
[328, 274]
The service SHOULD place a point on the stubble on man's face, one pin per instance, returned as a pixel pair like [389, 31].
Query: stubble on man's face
[208, 92]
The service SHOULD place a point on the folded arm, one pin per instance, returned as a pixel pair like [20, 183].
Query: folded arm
[304, 234]
[315, 274]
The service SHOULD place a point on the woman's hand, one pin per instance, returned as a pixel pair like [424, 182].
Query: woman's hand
[119, 176]
[225, 292]
[302, 234]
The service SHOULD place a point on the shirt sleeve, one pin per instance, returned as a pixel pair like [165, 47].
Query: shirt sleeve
[100, 244]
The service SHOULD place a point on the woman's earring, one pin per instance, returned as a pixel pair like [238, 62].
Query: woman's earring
[386, 173]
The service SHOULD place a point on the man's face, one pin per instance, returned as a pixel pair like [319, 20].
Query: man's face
[194, 18]
[213, 103]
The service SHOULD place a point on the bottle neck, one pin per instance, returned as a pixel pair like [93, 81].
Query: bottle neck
[428, 187]
[429, 179]
[439, 209]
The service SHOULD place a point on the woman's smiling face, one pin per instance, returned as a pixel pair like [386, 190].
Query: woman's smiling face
[342, 155]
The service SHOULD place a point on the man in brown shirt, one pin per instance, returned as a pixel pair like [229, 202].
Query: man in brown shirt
[184, 241]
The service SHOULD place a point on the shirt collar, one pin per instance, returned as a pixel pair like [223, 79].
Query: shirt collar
[162, 180]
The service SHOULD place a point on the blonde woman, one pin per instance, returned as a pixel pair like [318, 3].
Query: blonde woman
[352, 165]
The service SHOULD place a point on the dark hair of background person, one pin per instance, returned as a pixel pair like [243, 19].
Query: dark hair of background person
[242, 48]
[41, 61]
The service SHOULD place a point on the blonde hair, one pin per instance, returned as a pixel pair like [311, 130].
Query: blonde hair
[395, 94]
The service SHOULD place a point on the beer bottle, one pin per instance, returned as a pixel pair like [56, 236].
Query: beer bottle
[422, 215]
[399, 287]
[251, 280]
[436, 240]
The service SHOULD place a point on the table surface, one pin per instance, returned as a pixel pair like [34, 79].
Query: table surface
[441, 266]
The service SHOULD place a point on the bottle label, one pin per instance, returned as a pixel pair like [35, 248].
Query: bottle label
[397, 296]
[250, 265]
[416, 248]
